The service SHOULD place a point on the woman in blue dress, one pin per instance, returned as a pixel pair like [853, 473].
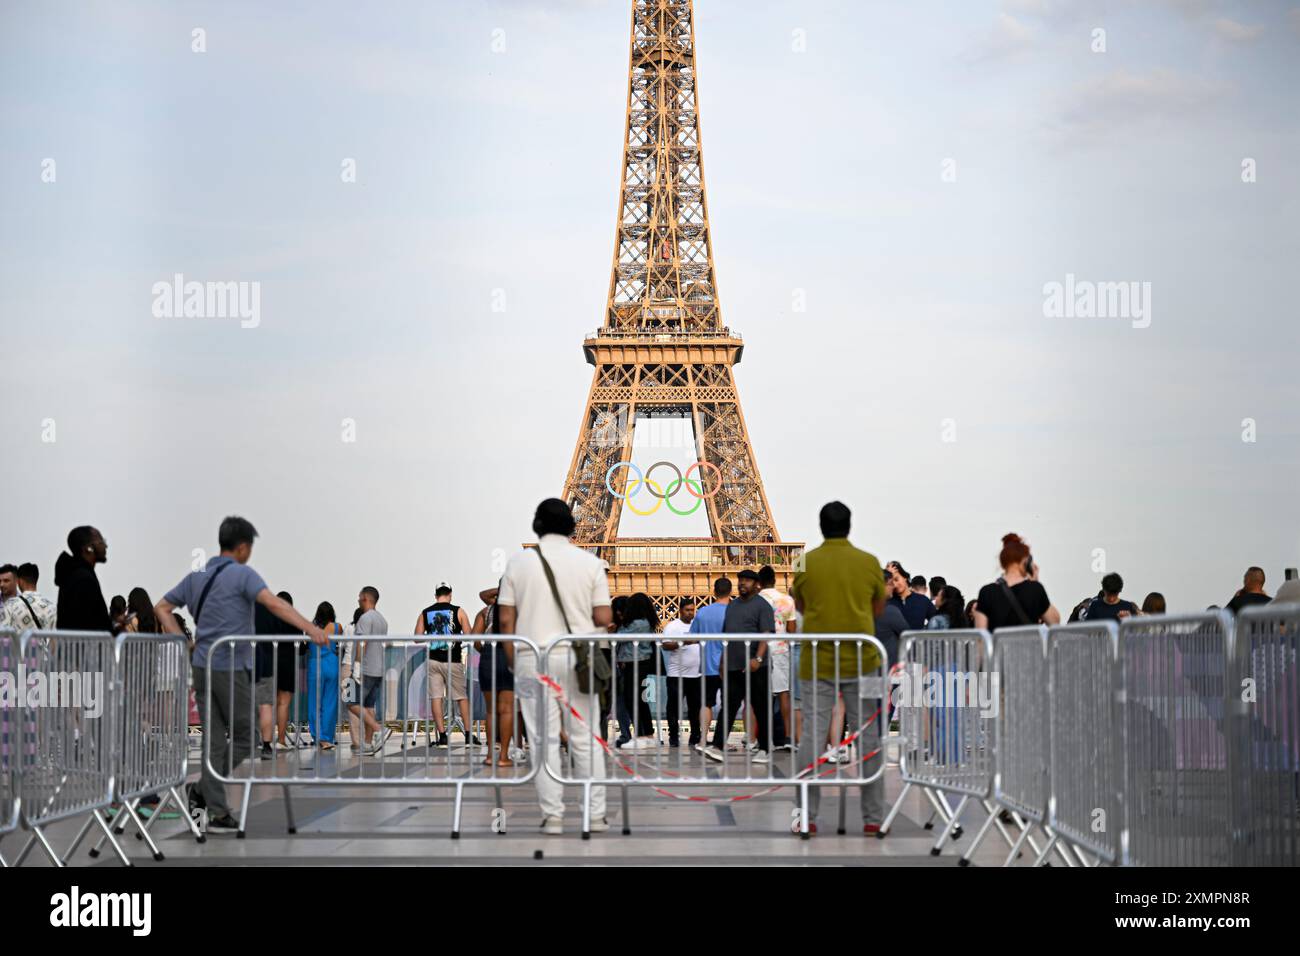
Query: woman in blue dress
[323, 680]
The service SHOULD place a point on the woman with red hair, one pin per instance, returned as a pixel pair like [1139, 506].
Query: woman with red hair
[1016, 598]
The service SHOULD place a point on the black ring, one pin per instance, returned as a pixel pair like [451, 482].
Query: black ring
[652, 468]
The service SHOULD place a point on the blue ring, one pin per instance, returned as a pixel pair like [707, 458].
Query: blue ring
[624, 464]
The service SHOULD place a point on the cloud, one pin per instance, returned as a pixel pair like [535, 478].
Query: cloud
[1123, 96]
[1007, 40]
[1237, 32]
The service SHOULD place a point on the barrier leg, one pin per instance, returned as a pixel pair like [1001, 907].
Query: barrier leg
[844, 799]
[627, 815]
[243, 810]
[945, 810]
[172, 795]
[893, 811]
[143, 834]
[3, 864]
[938, 811]
[804, 832]
[1083, 857]
[112, 840]
[938, 844]
[496, 790]
[1015, 850]
[22, 854]
[38, 839]
[289, 821]
[81, 835]
[1041, 859]
[965, 858]
[997, 815]
[586, 812]
[456, 807]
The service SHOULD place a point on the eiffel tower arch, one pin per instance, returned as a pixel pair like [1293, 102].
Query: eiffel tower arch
[663, 350]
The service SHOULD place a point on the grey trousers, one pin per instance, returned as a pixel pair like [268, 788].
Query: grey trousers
[232, 715]
[819, 698]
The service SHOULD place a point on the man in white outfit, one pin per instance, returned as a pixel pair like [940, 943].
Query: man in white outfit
[527, 606]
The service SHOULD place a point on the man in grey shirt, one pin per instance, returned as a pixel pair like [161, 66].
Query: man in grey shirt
[220, 598]
[371, 654]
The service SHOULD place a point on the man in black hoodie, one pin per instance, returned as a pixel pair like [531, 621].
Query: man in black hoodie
[81, 602]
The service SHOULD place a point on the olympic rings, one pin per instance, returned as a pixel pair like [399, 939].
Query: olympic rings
[670, 465]
[699, 499]
[716, 469]
[637, 479]
[621, 464]
[627, 500]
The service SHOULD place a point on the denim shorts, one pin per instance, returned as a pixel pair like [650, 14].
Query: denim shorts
[370, 687]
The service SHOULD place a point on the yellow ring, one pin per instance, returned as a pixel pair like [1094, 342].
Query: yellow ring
[627, 500]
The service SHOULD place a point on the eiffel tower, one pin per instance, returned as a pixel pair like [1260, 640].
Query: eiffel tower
[663, 350]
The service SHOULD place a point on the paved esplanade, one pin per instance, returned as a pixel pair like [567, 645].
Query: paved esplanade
[405, 826]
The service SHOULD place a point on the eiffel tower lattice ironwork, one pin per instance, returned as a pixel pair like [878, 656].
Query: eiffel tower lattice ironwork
[663, 350]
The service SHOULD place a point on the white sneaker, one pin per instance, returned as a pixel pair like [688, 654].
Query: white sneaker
[713, 753]
[642, 743]
[554, 826]
[832, 755]
[599, 826]
[758, 756]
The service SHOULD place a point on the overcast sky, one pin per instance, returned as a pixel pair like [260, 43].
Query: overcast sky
[891, 188]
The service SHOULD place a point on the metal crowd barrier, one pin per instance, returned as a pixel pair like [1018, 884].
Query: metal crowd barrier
[152, 696]
[418, 762]
[1085, 807]
[1022, 745]
[1176, 729]
[1266, 745]
[649, 761]
[66, 764]
[10, 740]
[947, 707]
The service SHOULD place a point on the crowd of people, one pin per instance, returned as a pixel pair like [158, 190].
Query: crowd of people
[547, 592]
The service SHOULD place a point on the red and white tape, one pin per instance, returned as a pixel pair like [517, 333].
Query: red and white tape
[810, 769]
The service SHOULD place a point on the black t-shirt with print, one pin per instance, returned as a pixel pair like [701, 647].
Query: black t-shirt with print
[993, 604]
[442, 620]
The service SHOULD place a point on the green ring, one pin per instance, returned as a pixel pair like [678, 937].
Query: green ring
[672, 490]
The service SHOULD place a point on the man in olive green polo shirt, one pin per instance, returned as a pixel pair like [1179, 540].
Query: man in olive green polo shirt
[839, 591]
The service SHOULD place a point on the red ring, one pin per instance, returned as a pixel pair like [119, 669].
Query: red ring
[710, 464]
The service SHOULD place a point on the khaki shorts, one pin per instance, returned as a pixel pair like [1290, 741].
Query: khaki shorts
[781, 672]
[439, 678]
[264, 691]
